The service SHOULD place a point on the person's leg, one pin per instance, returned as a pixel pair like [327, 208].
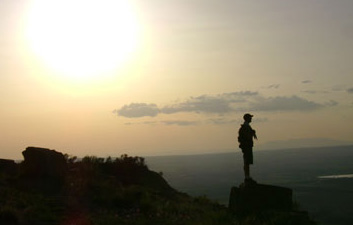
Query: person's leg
[246, 170]
[246, 157]
[248, 160]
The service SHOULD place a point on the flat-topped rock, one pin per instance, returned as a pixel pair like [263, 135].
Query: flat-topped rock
[43, 163]
[253, 197]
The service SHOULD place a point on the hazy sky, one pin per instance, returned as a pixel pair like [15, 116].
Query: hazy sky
[173, 76]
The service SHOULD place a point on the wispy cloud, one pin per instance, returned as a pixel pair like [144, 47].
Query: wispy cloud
[350, 90]
[135, 110]
[212, 121]
[222, 104]
[272, 86]
[209, 104]
[331, 103]
[201, 104]
[315, 92]
[306, 81]
[284, 103]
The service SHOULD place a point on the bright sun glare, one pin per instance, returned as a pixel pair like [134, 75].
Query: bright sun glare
[82, 39]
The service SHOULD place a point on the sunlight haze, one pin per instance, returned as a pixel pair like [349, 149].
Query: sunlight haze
[81, 40]
[173, 77]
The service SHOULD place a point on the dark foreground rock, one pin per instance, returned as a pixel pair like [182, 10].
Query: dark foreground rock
[260, 197]
[122, 190]
[43, 163]
[8, 167]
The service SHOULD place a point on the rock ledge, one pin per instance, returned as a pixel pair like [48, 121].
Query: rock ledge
[260, 197]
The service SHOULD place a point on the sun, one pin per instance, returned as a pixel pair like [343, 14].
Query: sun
[82, 40]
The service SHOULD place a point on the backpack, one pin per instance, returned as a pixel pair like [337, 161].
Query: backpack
[241, 134]
[245, 136]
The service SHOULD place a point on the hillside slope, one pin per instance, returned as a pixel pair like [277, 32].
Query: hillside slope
[108, 191]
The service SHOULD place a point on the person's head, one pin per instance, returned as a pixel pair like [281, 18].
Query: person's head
[247, 117]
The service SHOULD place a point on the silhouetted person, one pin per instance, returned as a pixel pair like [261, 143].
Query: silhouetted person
[246, 143]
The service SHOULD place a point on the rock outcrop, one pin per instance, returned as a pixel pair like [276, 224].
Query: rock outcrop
[43, 163]
[260, 197]
[8, 167]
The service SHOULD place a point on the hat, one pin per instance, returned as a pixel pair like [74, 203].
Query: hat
[247, 115]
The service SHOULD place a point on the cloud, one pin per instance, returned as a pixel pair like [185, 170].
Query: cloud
[219, 104]
[201, 104]
[283, 103]
[225, 103]
[310, 92]
[272, 86]
[315, 92]
[306, 81]
[331, 103]
[135, 110]
[350, 90]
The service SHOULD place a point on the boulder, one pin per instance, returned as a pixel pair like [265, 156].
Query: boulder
[43, 163]
[256, 197]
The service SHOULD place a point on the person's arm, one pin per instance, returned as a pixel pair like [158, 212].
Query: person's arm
[254, 134]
